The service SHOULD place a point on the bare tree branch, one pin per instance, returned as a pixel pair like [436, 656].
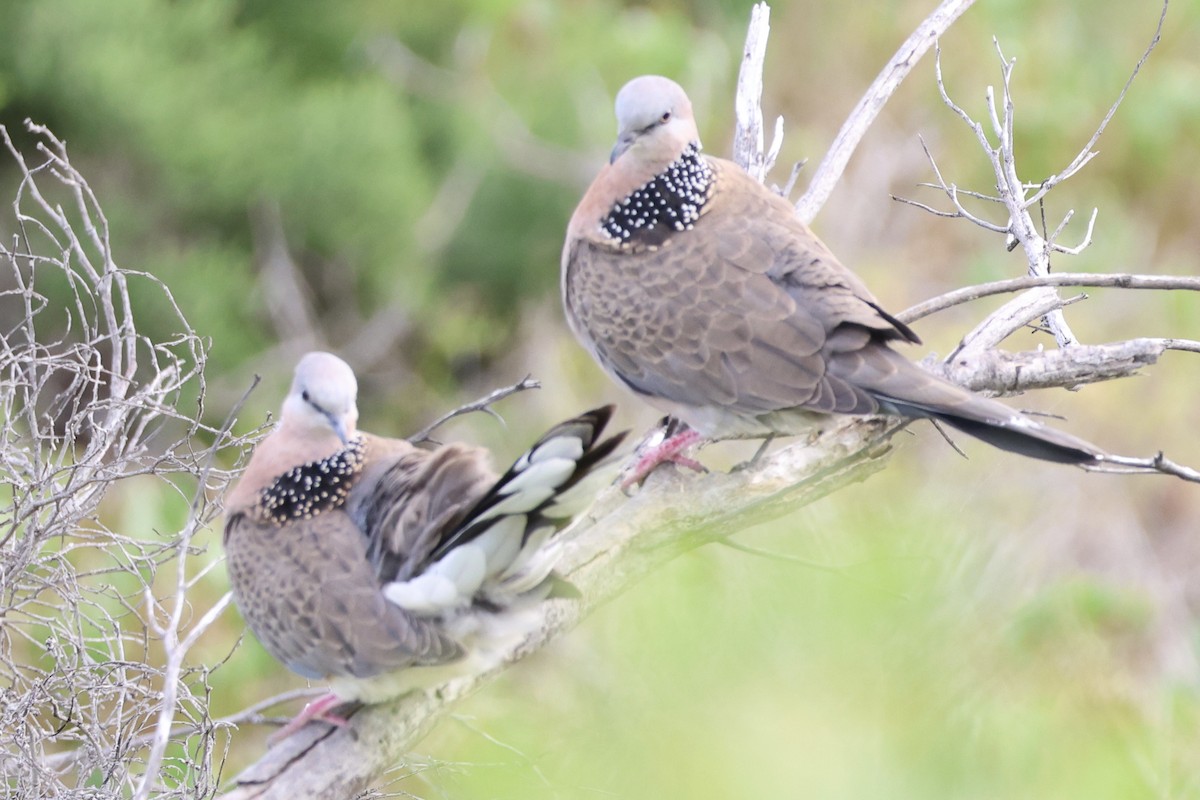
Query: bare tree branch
[1088, 152]
[1000, 372]
[1157, 463]
[748, 137]
[1094, 279]
[483, 404]
[91, 399]
[830, 170]
[1014, 193]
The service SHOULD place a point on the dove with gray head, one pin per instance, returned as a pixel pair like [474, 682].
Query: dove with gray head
[698, 289]
[379, 566]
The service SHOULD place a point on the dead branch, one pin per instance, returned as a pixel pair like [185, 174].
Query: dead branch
[748, 136]
[483, 404]
[1004, 373]
[91, 400]
[1126, 280]
[830, 170]
[1016, 196]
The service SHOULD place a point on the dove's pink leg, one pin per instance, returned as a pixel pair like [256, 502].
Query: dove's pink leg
[670, 450]
[318, 709]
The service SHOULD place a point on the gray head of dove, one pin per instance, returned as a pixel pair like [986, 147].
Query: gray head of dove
[322, 398]
[654, 120]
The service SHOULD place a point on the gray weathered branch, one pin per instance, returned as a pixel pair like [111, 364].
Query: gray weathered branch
[830, 170]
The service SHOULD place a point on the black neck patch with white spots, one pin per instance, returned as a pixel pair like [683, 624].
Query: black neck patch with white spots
[316, 486]
[670, 202]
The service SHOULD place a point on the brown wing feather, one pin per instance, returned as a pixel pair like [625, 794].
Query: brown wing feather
[322, 590]
[410, 499]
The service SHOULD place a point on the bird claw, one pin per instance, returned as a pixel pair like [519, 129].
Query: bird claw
[320, 709]
[670, 450]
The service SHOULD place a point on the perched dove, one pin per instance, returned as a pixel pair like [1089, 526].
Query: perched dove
[382, 567]
[699, 289]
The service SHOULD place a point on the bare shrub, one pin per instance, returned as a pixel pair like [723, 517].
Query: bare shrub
[95, 619]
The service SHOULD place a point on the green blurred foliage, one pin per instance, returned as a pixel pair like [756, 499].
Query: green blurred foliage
[987, 628]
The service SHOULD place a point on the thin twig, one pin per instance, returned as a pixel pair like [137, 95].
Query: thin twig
[1095, 279]
[483, 404]
[1140, 466]
[733, 544]
[1088, 152]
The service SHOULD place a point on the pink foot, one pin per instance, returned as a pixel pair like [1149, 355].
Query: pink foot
[318, 709]
[669, 450]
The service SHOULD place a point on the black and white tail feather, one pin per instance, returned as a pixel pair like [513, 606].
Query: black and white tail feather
[487, 560]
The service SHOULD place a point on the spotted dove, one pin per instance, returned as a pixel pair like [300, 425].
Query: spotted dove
[380, 566]
[698, 288]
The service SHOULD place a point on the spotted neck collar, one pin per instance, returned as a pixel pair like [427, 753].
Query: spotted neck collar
[315, 486]
[670, 202]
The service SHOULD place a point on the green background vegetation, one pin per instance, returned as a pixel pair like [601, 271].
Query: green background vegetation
[987, 628]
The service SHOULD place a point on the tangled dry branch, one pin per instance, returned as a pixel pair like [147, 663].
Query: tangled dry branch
[96, 620]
